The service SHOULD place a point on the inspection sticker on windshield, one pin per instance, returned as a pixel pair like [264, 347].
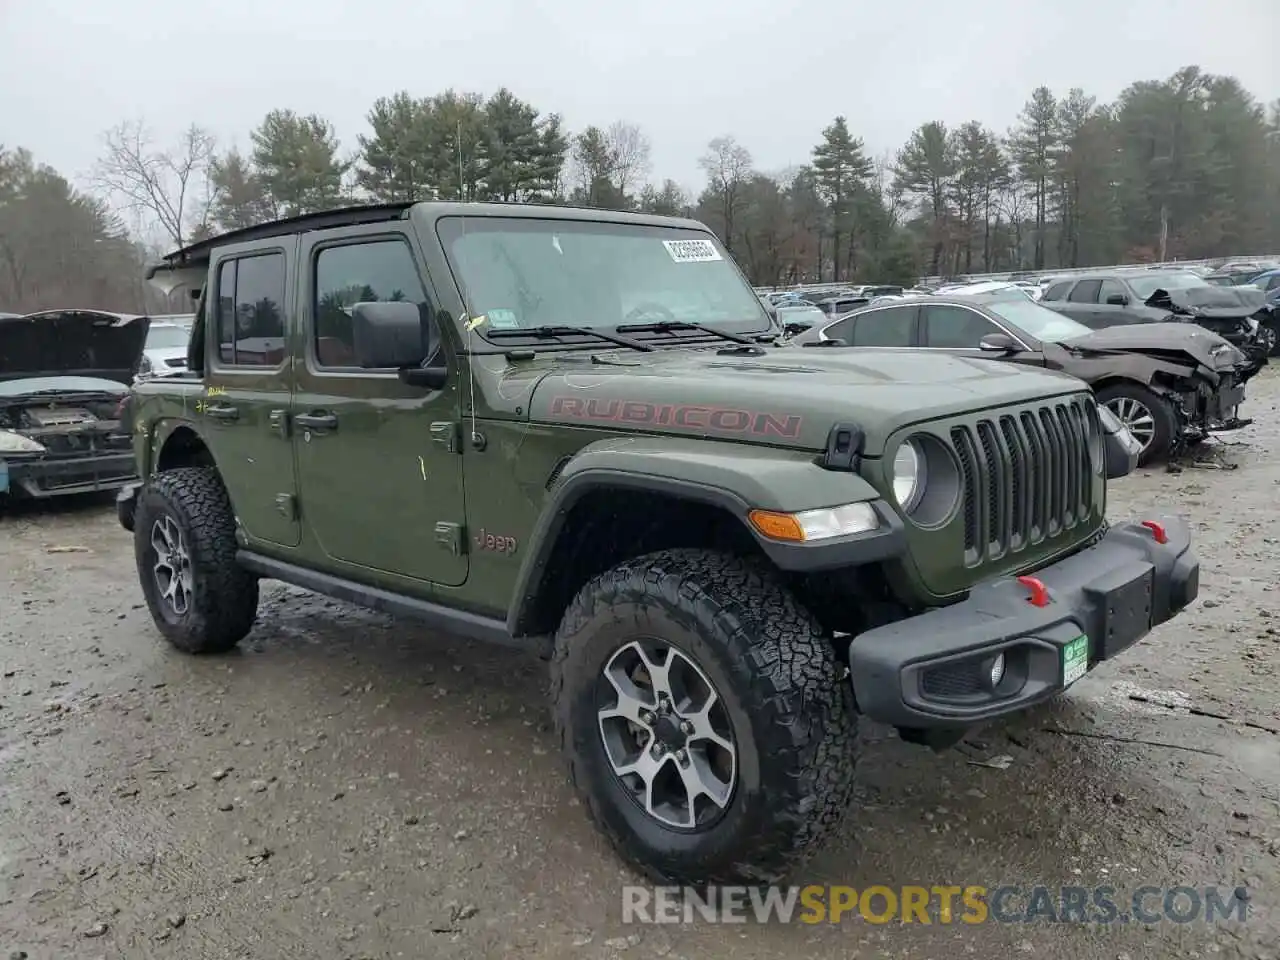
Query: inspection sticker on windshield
[1075, 660]
[503, 320]
[692, 251]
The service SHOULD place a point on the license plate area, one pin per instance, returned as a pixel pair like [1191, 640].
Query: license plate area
[1122, 605]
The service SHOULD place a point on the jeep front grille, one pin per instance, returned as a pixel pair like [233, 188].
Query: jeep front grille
[1027, 475]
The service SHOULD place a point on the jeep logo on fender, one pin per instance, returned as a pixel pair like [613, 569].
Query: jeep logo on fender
[493, 542]
[684, 416]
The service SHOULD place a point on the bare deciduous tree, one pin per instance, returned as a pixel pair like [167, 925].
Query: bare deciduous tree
[168, 186]
[630, 149]
[728, 167]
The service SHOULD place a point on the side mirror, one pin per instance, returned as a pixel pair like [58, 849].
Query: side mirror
[796, 327]
[1120, 447]
[395, 334]
[999, 343]
[1117, 300]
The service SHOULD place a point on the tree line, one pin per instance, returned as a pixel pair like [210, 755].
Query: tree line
[1185, 167]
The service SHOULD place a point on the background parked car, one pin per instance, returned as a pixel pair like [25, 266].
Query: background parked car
[165, 352]
[63, 383]
[1168, 383]
[1106, 299]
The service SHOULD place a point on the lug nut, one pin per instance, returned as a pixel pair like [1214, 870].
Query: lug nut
[646, 717]
[683, 757]
[657, 750]
[686, 726]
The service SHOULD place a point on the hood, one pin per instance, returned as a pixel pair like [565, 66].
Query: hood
[1209, 302]
[1161, 339]
[84, 343]
[787, 397]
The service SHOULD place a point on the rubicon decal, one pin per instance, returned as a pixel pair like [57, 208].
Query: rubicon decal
[681, 416]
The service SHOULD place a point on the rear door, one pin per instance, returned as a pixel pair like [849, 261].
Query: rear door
[379, 461]
[248, 383]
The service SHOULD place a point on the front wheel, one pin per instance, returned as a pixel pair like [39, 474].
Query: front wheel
[707, 723]
[184, 540]
[1149, 417]
[1269, 335]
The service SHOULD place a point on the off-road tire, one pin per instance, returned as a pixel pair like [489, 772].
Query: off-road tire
[789, 700]
[1166, 422]
[224, 596]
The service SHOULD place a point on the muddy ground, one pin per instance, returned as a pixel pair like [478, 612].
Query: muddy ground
[346, 786]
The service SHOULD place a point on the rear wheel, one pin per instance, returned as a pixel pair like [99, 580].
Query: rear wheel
[185, 546]
[1149, 417]
[708, 725]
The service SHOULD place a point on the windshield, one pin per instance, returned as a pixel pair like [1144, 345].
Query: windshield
[523, 273]
[1047, 326]
[159, 337]
[1146, 286]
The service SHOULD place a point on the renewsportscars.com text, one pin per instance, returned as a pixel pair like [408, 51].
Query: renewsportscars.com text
[822, 903]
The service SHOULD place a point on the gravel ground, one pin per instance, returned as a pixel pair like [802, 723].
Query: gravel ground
[345, 787]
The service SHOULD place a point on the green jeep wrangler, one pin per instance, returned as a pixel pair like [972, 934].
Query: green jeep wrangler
[573, 431]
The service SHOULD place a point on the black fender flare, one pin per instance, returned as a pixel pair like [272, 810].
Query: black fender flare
[728, 476]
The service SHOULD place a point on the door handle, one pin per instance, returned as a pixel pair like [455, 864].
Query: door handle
[317, 421]
[223, 413]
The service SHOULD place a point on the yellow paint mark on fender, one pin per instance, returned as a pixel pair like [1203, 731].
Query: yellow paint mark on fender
[215, 391]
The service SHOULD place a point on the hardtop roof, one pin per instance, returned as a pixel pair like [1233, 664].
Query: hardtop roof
[401, 210]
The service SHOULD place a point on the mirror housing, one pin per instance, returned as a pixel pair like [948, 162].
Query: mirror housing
[1120, 448]
[998, 343]
[795, 327]
[396, 334]
[1117, 300]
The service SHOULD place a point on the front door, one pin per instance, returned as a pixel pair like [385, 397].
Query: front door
[958, 329]
[248, 383]
[379, 461]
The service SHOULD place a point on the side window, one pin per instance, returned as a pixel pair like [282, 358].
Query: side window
[892, 327]
[358, 273]
[842, 331]
[955, 328]
[1111, 288]
[251, 311]
[1086, 291]
[1274, 282]
[1057, 290]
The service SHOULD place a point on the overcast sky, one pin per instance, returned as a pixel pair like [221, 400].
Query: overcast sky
[769, 72]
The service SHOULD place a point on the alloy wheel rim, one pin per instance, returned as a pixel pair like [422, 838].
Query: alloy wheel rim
[666, 734]
[172, 566]
[1135, 415]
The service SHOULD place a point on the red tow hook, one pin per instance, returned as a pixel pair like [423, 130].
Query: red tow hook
[1157, 531]
[1039, 592]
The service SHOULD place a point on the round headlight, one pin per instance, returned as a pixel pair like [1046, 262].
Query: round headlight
[908, 475]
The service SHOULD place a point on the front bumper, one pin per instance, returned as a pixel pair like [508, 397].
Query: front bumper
[934, 670]
[41, 477]
[127, 505]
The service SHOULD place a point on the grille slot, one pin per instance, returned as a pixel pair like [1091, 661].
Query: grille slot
[1026, 476]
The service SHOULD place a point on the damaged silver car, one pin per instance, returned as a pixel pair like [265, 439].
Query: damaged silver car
[64, 382]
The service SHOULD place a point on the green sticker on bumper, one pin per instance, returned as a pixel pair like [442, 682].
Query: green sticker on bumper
[1075, 660]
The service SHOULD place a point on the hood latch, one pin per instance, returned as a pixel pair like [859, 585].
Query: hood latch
[844, 448]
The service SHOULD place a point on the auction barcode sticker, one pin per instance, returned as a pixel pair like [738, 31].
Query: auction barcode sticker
[692, 251]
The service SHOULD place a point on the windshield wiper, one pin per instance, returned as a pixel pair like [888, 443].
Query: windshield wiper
[667, 326]
[552, 332]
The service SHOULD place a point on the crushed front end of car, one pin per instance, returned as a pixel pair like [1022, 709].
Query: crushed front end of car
[1233, 313]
